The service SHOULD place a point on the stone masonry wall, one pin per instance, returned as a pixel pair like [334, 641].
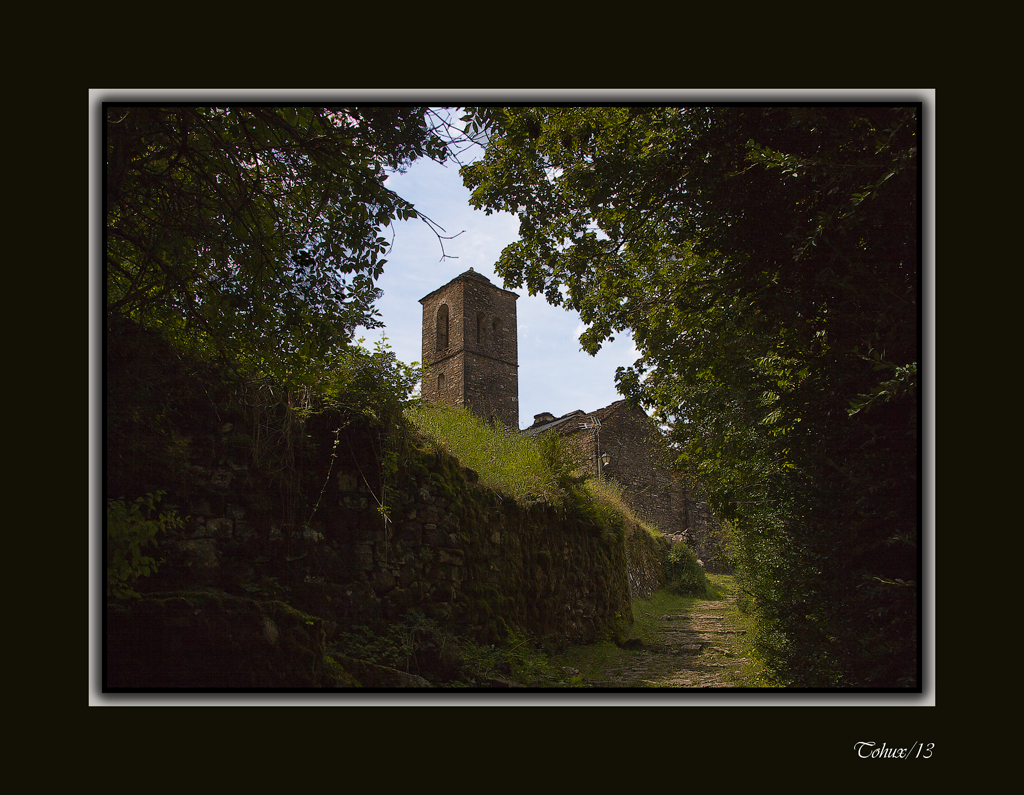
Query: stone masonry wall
[636, 463]
[645, 558]
[652, 489]
[631, 440]
[450, 549]
[323, 529]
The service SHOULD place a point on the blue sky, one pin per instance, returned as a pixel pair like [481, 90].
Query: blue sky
[554, 374]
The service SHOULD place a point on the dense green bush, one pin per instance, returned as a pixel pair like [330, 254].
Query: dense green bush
[562, 461]
[684, 574]
[131, 529]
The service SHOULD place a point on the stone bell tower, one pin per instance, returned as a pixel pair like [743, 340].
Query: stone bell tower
[471, 349]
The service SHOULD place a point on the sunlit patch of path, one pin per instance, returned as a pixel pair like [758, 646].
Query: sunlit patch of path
[694, 648]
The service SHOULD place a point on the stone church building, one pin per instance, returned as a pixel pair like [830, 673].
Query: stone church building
[470, 350]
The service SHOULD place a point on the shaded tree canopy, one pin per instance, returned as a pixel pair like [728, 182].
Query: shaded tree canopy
[255, 232]
[764, 260]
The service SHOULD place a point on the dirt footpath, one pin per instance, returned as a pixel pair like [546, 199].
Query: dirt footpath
[695, 648]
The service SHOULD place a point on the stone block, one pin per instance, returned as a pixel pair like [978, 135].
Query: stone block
[198, 554]
[354, 502]
[219, 528]
[452, 556]
[201, 508]
[364, 557]
[410, 533]
[383, 581]
[407, 575]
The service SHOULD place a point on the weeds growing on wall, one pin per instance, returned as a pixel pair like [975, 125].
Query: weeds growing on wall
[372, 388]
[529, 469]
[421, 646]
[505, 460]
[610, 497]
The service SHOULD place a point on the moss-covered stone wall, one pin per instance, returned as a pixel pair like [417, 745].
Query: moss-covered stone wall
[345, 524]
[428, 537]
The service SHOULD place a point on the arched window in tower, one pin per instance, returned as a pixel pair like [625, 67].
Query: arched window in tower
[442, 327]
[480, 328]
[440, 385]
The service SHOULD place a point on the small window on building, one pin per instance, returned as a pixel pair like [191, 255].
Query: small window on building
[442, 327]
[440, 383]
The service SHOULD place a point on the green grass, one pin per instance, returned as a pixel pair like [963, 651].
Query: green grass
[685, 574]
[754, 672]
[596, 661]
[610, 497]
[504, 460]
[521, 466]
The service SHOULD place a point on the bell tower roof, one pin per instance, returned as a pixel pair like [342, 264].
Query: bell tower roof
[464, 276]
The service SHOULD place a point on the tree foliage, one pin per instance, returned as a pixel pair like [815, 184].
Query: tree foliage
[131, 529]
[255, 232]
[248, 239]
[764, 260]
